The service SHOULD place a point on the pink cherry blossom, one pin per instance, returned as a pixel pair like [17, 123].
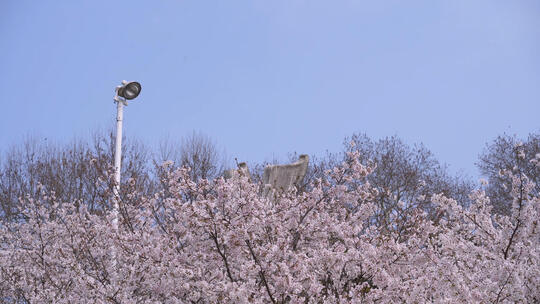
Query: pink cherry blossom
[223, 242]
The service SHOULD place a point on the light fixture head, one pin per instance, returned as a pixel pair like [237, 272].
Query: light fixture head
[129, 90]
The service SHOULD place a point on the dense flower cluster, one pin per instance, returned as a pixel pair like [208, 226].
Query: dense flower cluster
[224, 242]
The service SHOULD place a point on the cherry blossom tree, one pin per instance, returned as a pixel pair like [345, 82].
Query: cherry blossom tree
[509, 153]
[223, 242]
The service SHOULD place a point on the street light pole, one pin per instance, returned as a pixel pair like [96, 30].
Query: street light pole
[124, 92]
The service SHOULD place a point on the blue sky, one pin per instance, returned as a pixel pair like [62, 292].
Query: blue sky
[265, 78]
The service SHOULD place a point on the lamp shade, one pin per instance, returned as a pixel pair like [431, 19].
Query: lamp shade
[130, 90]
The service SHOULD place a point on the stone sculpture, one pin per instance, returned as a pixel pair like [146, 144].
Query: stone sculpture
[282, 177]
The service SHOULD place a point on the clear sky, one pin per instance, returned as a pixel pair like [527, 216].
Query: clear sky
[265, 78]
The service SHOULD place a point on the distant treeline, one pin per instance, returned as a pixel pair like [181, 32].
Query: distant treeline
[79, 172]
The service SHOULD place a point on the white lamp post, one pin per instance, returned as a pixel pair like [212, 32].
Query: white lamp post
[124, 92]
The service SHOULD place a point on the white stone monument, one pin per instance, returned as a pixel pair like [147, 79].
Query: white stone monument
[282, 177]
